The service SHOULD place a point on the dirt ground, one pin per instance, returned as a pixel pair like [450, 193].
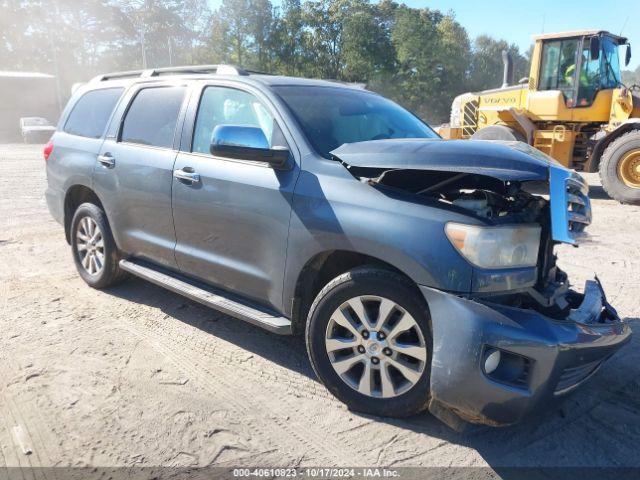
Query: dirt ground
[138, 376]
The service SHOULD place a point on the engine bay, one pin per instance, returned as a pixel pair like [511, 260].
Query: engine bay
[497, 202]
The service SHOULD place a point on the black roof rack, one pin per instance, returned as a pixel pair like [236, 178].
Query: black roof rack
[190, 69]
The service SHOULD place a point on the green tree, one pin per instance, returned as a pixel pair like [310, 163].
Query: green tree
[324, 20]
[486, 64]
[233, 30]
[421, 57]
[433, 55]
[262, 24]
[289, 39]
[368, 53]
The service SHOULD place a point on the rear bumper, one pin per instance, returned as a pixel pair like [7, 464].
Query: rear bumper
[558, 355]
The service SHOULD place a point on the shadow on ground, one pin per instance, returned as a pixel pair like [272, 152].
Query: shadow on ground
[599, 425]
[596, 192]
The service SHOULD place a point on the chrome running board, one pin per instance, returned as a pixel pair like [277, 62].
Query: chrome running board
[210, 297]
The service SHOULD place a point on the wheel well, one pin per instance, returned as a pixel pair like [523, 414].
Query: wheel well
[319, 271]
[594, 160]
[76, 196]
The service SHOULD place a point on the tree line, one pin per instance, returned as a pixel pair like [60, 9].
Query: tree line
[419, 57]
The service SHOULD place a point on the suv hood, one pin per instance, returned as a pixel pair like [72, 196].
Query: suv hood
[397, 163]
[508, 161]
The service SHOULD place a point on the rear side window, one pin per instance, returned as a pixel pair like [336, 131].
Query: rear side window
[152, 116]
[90, 115]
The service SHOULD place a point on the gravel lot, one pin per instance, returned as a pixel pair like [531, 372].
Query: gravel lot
[138, 376]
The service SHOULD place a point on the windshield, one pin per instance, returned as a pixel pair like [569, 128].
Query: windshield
[332, 116]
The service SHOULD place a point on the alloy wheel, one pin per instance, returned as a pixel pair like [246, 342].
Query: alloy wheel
[90, 245]
[376, 346]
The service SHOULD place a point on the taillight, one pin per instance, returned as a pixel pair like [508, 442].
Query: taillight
[48, 148]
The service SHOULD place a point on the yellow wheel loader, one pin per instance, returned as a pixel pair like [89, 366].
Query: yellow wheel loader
[573, 107]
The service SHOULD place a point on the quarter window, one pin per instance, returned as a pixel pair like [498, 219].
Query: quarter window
[90, 115]
[152, 116]
[229, 106]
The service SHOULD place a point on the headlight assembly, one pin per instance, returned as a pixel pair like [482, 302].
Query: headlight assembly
[504, 246]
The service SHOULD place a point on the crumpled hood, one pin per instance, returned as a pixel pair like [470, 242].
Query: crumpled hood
[508, 161]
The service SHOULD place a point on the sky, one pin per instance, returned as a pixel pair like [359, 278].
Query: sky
[515, 21]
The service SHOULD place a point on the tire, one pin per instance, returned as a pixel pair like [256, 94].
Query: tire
[405, 397]
[105, 252]
[610, 176]
[499, 132]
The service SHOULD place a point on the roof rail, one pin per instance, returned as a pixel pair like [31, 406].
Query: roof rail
[156, 72]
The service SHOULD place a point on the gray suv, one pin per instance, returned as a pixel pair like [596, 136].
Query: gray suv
[421, 272]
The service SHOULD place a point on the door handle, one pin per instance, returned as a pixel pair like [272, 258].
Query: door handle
[107, 160]
[190, 177]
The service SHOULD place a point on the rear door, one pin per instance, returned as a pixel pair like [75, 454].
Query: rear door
[134, 171]
[77, 143]
[232, 224]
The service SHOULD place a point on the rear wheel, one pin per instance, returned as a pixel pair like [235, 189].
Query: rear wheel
[93, 248]
[620, 168]
[369, 341]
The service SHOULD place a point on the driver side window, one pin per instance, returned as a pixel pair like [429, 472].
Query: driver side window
[229, 106]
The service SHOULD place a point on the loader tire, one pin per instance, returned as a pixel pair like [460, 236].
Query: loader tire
[620, 168]
[499, 132]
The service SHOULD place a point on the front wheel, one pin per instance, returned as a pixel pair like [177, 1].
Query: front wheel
[369, 341]
[620, 168]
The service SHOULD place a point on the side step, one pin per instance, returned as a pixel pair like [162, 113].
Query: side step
[210, 297]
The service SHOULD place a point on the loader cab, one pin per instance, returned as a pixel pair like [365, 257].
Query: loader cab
[579, 65]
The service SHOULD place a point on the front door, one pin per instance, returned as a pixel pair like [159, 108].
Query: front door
[232, 222]
[133, 176]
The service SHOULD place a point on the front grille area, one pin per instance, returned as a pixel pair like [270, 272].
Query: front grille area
[573, 376]
[570, 205]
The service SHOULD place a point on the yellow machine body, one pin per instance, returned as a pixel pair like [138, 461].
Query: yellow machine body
[558, 121]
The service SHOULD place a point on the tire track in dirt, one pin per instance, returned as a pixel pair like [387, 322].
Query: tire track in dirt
[214, 364]
[33, 437]
[234, 394]
[39, 432]
[261, 370]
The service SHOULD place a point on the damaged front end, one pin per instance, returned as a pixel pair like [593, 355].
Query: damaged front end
[521, 336]
[499, 183]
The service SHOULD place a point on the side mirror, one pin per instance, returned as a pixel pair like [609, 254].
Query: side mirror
[594, 48]
[244, 142]
[627, 57]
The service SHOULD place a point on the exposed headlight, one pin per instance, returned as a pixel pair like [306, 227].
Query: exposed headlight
[504, 246]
